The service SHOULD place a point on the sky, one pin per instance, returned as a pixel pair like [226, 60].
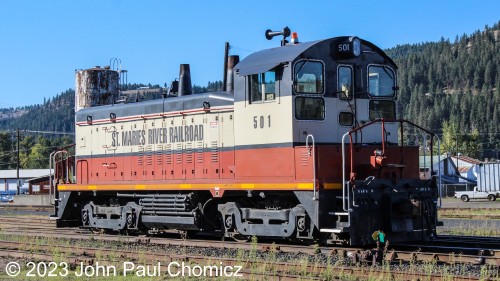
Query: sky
[42, 43]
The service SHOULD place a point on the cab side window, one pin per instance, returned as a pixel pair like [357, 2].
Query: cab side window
[262, 87]
[382, 109]
[308, 77]
[309, 108]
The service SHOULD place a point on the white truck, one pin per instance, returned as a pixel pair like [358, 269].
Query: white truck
[477, 194]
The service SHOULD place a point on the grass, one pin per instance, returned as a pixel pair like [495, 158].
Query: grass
[471, 228]
[468, 212]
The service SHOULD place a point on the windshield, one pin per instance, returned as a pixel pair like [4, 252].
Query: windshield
[381, 81]
[309, 77]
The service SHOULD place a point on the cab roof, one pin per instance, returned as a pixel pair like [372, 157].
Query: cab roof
[262, 61]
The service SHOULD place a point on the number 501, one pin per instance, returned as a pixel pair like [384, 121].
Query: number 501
[259, 122]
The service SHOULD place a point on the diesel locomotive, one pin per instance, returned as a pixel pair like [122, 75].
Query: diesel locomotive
[303, 144]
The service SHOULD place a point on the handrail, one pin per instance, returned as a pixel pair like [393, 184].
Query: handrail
[314, 162]
[52, 160]
[439, 172]
[343, 172]
[383, 121]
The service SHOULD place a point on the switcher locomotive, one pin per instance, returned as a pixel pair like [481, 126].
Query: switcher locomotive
[303, 144]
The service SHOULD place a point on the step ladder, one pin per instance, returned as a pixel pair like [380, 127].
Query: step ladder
[343, 221]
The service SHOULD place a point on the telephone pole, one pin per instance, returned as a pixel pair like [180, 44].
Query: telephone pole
[18, 183]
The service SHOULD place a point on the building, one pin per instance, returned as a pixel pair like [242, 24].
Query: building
[457, 172]
[8, 179]
[465, 166]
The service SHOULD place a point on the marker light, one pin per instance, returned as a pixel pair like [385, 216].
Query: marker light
[295, 38]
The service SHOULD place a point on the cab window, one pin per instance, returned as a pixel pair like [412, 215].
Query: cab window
[308, 77]
[346, 118]
[344, 82]
[262, 87]
[309, 108]
[381, 81]
[382, 109]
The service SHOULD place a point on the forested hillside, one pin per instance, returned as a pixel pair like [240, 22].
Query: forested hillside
[55, 114]
[453, 88]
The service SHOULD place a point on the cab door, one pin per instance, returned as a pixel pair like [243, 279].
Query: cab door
[347, 105]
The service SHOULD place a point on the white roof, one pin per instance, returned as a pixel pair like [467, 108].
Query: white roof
[24, 173]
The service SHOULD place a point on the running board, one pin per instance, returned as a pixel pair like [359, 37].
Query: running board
[338, 213]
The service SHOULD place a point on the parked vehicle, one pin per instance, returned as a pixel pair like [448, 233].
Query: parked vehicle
[477, 194]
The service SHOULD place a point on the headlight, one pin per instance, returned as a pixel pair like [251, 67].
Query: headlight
[356, 47]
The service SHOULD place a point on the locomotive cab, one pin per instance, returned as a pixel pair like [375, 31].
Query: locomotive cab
[336, 99]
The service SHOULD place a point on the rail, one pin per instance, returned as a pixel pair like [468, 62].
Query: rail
[345, 184]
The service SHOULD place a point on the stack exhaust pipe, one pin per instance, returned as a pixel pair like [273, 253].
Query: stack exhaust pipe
[184, 80]
[231, 62]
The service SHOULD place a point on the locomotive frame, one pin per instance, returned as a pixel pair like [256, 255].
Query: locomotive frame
[269, 158]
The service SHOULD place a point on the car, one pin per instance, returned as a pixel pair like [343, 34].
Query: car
[465, 196]
[6, 199]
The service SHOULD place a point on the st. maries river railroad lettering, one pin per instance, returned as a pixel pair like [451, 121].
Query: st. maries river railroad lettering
[158, 136]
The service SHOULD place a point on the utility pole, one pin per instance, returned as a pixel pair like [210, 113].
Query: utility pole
[18, 183]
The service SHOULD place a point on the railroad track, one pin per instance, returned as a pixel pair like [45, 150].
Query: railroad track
[88, 256]
[43, 227]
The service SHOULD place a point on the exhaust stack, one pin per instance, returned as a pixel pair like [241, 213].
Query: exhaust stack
[184, 80]
[231, 62]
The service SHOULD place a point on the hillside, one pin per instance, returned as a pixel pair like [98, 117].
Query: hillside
[443, 83]
[56, 114]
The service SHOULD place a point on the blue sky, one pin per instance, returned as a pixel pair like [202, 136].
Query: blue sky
[43, 42]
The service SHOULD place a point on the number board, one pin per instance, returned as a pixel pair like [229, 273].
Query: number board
[346, 47]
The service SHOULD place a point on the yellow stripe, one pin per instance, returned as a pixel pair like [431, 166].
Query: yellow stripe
[184, 186]
[140, 186]
[92, 187]
[247, 186]
[305, 186]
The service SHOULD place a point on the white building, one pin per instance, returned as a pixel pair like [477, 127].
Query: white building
[8, 178]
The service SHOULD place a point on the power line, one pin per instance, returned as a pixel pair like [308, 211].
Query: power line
[48, 132]
[39, 132]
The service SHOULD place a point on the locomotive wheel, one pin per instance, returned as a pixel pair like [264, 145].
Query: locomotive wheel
[241, 238]
[301, 224]
[85, 218]
[229, 222]
[130, 220]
